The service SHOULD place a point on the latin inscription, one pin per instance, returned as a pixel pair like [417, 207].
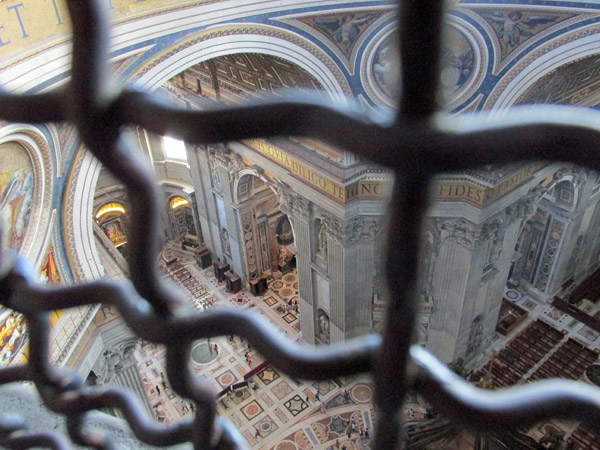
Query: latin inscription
[364, 190]
[24, 23]
[476, 194]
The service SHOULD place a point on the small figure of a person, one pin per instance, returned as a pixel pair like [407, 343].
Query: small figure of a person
[157, 389]
[216, 348]
[257, 434]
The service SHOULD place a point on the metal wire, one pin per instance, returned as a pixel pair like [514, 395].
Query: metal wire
[416, 144]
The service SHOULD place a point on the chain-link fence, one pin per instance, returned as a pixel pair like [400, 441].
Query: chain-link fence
[415, 144]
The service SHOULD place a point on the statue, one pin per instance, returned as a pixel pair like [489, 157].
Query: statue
[323, 328]
[322, 242]
[225, 241]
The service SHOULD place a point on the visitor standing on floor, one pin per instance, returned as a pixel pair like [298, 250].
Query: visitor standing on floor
[157, 389]
[216, 349]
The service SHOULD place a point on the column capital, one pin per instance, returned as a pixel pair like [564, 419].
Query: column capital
[361, 228]
[460, 231]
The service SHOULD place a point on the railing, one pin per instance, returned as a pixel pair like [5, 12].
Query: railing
[415, 144]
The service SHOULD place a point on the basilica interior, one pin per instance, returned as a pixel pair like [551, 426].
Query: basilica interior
[293, 229]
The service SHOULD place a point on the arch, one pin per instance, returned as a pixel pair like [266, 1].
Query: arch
[250, 171]
[78, 217]
[539, 63]
[249, 39]
[178, 201]
[42, 158]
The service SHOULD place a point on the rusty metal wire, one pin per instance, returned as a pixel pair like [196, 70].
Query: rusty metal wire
[415, 144]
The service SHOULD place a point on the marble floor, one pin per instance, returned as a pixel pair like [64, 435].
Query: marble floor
[280, 412]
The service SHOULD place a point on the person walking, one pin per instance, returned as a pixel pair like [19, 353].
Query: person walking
[157, 389]
[367, 432]
[216, 349]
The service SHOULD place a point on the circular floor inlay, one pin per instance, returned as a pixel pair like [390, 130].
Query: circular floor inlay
[512, 294]
[286, 292]
[252, 410]
[226, 379]
[277, 284]
[289, 278]
[286, 445]
[265, 426]
[362, 393]
[202, 353]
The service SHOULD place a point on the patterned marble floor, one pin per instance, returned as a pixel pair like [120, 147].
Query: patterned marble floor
[280, 413]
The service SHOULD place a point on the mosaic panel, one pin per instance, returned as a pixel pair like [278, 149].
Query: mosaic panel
[289, 318]
[302, 440]
[268, 375]
[266, 426]
[361, 393]
[226, 378]
[286, 445]
[324, 387]
[265, 398]
[240, 395]
[270, 301]
[281, 415]
[296, 405]
[252, 409]
[281, 390]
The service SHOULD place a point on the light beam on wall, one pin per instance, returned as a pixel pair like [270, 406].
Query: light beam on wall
[174, 149]
[110, 208]
[178, 202]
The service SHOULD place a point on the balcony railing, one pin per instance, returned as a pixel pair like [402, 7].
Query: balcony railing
[414, 144]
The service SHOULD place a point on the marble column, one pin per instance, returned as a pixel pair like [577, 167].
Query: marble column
[198, 159]
[350, 262]
[471, 268]
[298, 211]
[454, 285]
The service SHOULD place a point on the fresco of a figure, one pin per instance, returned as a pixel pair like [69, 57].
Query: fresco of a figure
[343, 29]
[457, 62]
[16, 186]
[383, 70]
[515, 27]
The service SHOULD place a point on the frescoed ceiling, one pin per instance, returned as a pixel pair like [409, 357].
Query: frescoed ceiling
[487, 45]
[250, 75]
[576, 83]
[514, 28]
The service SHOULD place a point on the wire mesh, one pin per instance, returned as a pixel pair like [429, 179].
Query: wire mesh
[415, 145]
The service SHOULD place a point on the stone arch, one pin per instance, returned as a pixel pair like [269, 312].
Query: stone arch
[249, 39]
[568, 48]
[78, 220]
[42, 156]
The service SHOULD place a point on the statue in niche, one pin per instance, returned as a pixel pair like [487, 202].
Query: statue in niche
[115, 361]
[284, 232]
[321, 242]
[324, 333]
[225, 241]
[216, 179]
[235, 164]
[284, 259]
